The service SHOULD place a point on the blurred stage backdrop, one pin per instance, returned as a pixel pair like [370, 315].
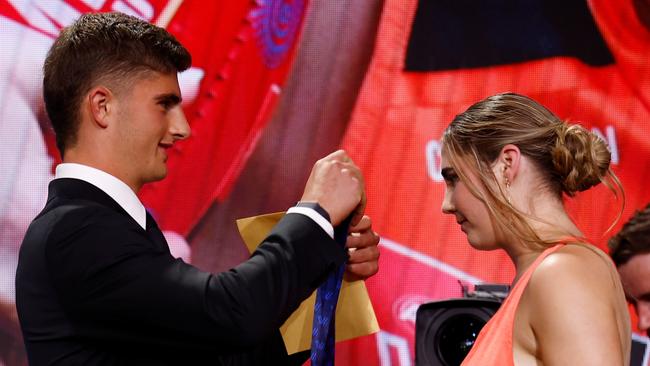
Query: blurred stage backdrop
[277, 84]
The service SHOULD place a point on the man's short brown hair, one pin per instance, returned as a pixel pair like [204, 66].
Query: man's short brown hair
[633, 239]
[102, 47]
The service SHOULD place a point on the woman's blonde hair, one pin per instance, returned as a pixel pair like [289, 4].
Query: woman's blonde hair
[568, 157]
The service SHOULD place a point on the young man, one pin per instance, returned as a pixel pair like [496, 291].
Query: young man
[96, 284]
[630, 250]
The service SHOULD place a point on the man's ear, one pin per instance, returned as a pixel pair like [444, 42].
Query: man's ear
[509, 161]
[100, 100]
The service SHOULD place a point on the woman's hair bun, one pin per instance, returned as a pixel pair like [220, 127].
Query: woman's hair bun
[580, 157]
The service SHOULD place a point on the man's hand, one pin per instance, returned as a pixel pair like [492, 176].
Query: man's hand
[364, 252]
[337, 185]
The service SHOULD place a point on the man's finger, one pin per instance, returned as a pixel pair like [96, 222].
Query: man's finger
[361, 271]
[362, 255]
[363, 225]
[367, 239]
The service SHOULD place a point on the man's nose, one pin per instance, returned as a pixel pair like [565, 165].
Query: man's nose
[179, 128]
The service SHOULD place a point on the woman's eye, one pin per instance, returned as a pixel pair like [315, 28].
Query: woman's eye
[449, 175]
[451, 180]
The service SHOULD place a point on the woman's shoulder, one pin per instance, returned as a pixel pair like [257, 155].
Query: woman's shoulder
[574, 303]
[575, 264]
[571, 278]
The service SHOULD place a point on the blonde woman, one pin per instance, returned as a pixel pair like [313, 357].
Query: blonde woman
[507, 161]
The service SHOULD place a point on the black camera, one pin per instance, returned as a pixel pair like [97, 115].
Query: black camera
[446, 330]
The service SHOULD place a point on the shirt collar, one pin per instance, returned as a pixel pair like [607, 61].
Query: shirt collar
[112, 186]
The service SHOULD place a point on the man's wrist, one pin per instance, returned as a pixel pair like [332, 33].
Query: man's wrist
[320, 217]
[316, 207]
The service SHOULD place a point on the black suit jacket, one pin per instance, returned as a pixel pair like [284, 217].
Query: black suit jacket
[94, 288]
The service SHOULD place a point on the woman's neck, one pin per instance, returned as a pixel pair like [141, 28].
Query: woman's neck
[553, 225]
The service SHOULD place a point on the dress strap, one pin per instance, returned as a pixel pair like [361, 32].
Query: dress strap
[519, 287]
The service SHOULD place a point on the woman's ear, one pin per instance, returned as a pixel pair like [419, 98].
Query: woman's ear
[508, 162]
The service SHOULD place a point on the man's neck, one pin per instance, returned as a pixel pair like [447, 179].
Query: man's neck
[105, 166]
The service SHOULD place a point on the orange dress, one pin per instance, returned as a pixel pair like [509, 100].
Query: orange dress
[494, 343]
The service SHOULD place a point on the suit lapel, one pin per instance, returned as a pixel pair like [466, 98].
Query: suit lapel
[155, 234]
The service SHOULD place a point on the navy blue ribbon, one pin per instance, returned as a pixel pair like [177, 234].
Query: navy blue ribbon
[327, 295]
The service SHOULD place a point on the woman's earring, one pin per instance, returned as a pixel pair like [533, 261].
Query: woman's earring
[508, 190]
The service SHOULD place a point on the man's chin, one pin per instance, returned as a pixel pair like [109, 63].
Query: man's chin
[157, 176]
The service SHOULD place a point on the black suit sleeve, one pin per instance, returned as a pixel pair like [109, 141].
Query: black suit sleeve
[117, 286]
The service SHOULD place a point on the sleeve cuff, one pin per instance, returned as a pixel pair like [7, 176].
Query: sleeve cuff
[316, 217]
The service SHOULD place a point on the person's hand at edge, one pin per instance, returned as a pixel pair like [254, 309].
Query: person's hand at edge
[363, 249]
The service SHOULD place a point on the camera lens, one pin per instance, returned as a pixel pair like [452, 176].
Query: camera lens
[456, 336]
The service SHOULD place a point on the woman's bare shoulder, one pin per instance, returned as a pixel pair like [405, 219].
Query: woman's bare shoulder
[574, 273]
[573, 300]
[579, 263]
